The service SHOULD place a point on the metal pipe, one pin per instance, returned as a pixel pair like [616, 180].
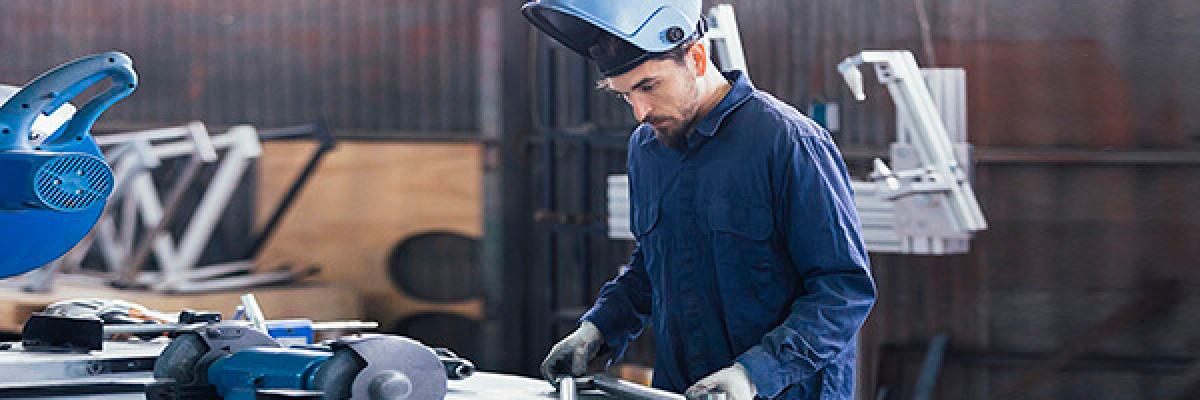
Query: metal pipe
[566, 388]
[622, 389]
[457, 368]
[128, 275]
[326, 143]
[254, 313]
[147, 328]
[345, 325]
[133, 329]
[287, 132]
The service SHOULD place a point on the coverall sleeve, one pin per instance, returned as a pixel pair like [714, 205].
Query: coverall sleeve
[815, 214]
[623, 306]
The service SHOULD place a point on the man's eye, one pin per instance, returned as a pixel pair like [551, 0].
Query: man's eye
[648, 88]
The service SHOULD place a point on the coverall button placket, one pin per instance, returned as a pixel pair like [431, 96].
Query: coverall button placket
[688, 206]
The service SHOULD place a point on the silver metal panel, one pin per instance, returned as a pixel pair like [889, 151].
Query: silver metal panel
[21, 366]
[618, 208]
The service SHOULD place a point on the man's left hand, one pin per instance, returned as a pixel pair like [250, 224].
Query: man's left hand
[732, 380]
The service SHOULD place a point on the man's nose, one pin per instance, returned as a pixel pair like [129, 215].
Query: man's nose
[640, 107]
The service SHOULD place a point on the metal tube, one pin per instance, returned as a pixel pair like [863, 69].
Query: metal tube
[142, 252]
[123, 329]
[327, 142]
[457, 368]
[631, 391]
[345, 325]
[254, 313]
[566, 388]
[288, 132]
[134, 329]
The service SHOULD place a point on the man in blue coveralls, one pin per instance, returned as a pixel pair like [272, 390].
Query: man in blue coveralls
[749, 264]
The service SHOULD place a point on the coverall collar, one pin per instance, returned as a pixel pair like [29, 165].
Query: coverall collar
[740, 90]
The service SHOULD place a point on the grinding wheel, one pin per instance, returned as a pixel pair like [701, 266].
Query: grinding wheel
[181, 361]
[187, 359]
[396, 368]
[336, 376]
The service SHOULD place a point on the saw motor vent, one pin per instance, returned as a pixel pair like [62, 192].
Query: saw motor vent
[73, 182]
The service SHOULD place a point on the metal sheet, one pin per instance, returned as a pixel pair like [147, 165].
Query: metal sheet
[20, 366]
[369, 65]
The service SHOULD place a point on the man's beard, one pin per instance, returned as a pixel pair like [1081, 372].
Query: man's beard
[675, 136]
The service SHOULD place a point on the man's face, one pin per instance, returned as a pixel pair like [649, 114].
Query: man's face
[661, 93]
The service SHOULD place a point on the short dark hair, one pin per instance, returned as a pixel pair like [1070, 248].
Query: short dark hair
[677, 53]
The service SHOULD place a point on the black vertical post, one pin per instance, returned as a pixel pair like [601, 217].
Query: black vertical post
[505, 125]
[548, 110]
[585, 185]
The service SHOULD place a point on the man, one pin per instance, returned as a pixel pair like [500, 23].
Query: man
[749, 265]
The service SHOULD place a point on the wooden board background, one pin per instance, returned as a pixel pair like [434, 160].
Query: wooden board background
[364, 199]
[316, 302]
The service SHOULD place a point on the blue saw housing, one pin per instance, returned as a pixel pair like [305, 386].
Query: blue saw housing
[53, 193]
[241, 375]
[66, 182]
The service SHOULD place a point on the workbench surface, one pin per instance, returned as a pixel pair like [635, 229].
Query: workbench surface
[481, 386]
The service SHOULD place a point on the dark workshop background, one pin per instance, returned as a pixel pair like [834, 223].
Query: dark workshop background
[1084, 116]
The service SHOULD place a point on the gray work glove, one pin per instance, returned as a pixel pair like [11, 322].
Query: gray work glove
[732, 380]
[572, 354]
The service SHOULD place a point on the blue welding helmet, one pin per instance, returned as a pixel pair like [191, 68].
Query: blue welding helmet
[617, 34]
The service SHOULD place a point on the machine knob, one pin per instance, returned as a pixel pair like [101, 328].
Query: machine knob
[390, 385]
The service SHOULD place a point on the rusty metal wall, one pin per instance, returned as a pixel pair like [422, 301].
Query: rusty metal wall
[1077, 237]
[1051, 73]
[1070, 243]
[369, 65]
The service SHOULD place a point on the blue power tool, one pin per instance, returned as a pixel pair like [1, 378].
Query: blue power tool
[52, 192]
[232, 361]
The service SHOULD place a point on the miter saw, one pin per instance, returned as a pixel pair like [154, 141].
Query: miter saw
[53, 188]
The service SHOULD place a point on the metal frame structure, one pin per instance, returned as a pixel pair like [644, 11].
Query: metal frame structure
[135, 155]
[724, 40]
[924, 203]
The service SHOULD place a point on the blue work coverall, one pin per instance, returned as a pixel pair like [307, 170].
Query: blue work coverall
[748, 250]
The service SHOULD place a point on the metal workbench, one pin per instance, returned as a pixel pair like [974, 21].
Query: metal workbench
[20, 369]
[482, 385]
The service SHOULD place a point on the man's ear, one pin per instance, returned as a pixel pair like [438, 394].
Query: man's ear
[699, 57]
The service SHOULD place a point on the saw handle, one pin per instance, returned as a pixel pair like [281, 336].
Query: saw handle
[49, 91]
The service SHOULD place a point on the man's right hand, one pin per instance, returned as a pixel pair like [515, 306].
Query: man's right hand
[573, 353]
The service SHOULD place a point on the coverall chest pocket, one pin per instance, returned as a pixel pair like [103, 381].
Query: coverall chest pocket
[747, 266]
[740, 232]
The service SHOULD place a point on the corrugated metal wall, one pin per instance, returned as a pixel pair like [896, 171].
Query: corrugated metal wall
[1049, 73]
[378, 65]
[1071, 242]
[1077, 239]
